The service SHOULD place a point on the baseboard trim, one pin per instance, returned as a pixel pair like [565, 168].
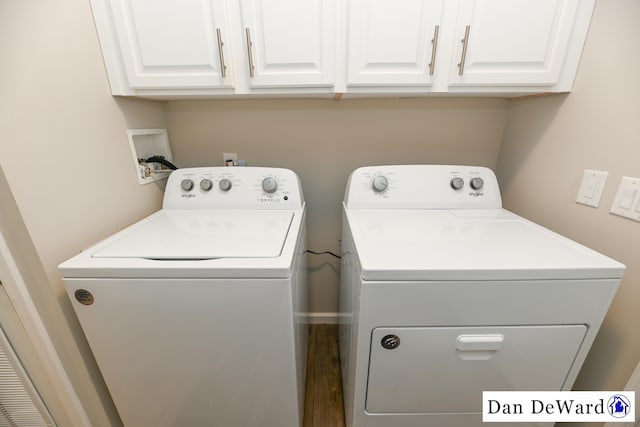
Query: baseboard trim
[319, 318]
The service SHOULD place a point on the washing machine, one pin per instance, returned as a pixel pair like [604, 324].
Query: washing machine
[444, 294]
[196, 314]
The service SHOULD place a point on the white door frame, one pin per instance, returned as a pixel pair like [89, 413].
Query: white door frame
[18, 292]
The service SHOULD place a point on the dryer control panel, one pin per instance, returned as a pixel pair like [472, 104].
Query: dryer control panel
[423, 187]
[221, 187]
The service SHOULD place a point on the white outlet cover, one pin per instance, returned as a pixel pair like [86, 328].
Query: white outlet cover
[627, 200]
[591, 187]
[229, 156]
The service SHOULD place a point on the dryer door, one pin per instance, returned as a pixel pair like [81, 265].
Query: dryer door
[446, 369]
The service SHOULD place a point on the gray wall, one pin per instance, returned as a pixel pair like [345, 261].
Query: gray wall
[65, 155]
[549, 141]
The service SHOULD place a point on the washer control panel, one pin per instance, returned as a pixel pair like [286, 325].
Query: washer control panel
[423, 187]
[475, 183]
[379, 183]
[233, 188]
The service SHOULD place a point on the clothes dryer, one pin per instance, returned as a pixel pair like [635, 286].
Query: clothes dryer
[195, 314]
[444, 294]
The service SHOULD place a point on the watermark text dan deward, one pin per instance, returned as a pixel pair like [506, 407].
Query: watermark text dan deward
[558, 406]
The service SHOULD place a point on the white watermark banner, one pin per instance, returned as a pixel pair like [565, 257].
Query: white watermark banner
[558, 406]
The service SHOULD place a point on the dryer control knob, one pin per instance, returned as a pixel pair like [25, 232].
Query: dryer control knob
[206, 184]
[269, 184]
[477, 183]
[186, 185]
[224, 184]
[457, 183]
[379, 184]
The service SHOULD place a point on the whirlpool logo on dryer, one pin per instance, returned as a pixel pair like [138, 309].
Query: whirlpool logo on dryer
[476, 193]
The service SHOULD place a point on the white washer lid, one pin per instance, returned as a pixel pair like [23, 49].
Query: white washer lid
[468, 245]
[190, 235]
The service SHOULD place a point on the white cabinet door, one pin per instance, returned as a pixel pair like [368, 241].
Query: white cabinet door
[179, 48]
[512, 42]
[289, 42]
[171, 43]
[392, 43]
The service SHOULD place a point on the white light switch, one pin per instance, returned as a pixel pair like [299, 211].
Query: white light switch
[627, 200]
[627, 197]
[591, 187]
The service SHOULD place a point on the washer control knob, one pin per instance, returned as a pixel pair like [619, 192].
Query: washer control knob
[390, 342]
[269, 184]
[379, 184]
[206, 184]
[477, 183]
[186, 184]
[224, 184]
[457, 183]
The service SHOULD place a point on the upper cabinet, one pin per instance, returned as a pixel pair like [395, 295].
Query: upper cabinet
[392, 43]
[289, 42]
[518, 43]
[496, 47]
[210, 48]
[171, 44]
[182, 48]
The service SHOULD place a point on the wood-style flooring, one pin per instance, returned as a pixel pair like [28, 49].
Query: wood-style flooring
[323, 402]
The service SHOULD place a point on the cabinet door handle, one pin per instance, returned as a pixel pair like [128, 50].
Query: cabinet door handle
[465, 42]
[434, 49]
[250, 52]
[223, 68]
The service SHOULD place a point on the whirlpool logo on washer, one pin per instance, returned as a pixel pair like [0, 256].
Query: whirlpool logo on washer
[558, 406]
[476, 193]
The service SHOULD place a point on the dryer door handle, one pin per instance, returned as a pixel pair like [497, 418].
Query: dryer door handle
[484, 342]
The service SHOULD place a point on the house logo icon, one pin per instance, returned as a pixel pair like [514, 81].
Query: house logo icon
[618, 406]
